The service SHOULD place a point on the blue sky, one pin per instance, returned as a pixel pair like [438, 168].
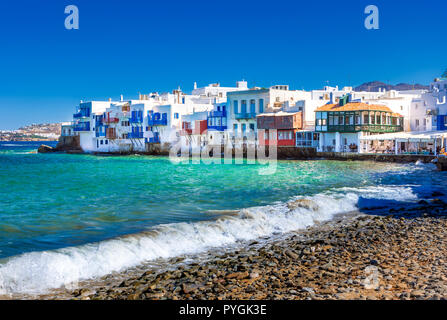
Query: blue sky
[126, 47]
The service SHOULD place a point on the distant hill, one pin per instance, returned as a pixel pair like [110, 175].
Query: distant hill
[374, 86]
[34, 132]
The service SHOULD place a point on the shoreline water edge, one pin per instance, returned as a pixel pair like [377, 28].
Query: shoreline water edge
[397, 255]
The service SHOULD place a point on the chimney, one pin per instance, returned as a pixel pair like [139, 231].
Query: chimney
[122, 98]
[195, 85]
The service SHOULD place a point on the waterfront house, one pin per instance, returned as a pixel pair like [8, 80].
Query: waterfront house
[341, 125]
[279, 128]
[217, 118]
[84, 121]
[244, 106]
[193, 134]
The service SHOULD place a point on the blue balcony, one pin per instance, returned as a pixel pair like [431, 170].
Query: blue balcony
[100, 134]
[82, 113]
[245, 115]
[217, 128]
[217, 114]
[137, 117]
[82, 126]
[157, 119]
[135, 135]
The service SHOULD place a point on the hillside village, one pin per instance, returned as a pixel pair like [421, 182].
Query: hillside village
[33, 132]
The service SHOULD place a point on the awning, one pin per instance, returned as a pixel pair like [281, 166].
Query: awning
[415, 136]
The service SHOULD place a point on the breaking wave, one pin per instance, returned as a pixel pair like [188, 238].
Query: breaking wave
[37, 272]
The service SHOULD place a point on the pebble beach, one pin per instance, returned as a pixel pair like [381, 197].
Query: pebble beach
[397, 255]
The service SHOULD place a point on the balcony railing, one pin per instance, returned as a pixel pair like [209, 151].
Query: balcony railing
[134, 119]
[217, 128]
[81, 126]
[157, 122]
[135, 135]
[100, 134]
[221, 114]
[80, 114]
[245, 115]
[111, 120]
[366, 127]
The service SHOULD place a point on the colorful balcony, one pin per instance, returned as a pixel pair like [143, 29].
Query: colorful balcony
[111, 120]
[81, 114]
[137, 117]
[245, 115]
[135, 135]
[217, 128]
[156, 119]
[81, 127]
[217, 114]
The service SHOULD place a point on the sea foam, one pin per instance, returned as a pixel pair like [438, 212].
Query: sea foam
[37, 272]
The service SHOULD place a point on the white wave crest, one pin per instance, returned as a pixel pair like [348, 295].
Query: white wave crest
[36, 272]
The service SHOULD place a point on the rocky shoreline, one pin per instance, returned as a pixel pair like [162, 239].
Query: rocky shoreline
[397, 255]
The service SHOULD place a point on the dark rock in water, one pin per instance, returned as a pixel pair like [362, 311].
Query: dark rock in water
[45, 149]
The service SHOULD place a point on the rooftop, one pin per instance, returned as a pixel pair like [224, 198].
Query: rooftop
[354, 106]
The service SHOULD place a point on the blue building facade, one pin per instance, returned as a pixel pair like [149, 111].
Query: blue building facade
[217, 119]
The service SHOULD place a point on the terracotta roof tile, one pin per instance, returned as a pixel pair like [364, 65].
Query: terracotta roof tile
[354, 106]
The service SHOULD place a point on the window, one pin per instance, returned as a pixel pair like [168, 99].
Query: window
[244, 106]
[252, 106]
[347, 120]
[244, 127]
[365, 119]
[417, 123]
[176, 116]
[307, 139]
[261, 105]
[107, 141]
[102, 141]
[285, 135]
[252, 127]
[236, 107]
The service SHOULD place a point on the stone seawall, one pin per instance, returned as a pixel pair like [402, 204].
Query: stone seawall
[401, 158]
[69, 144]
[72, 145]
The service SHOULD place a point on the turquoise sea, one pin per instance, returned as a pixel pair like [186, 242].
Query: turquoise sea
[65, 218]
